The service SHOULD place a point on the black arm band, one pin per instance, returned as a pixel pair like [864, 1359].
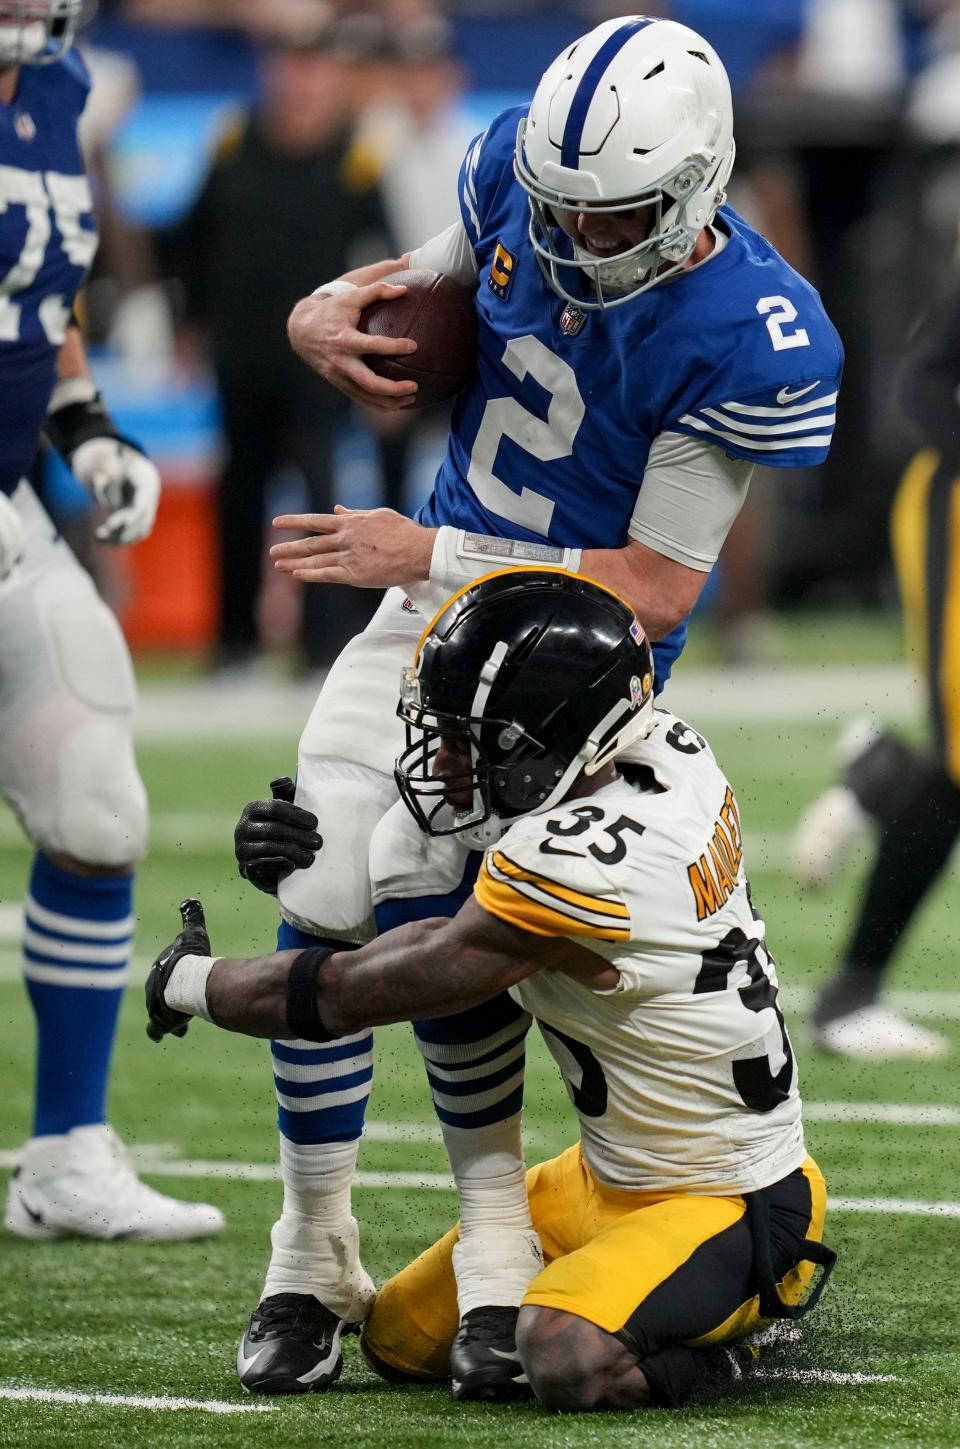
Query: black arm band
[303, 1018]
[71, 426]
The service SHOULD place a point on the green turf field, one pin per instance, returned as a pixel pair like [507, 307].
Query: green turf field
[163, 1322]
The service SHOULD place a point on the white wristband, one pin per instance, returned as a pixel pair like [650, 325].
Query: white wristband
[459, 558]
[330, 289]
[187, 988]
[70, 390]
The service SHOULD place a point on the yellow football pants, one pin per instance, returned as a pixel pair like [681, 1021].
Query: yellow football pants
[665, 1267]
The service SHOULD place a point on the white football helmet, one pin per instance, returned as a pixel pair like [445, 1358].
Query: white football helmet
[636, 114]
[37, 32]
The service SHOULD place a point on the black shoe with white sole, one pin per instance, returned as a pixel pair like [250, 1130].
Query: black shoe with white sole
[291, 1346]
[484, 1362]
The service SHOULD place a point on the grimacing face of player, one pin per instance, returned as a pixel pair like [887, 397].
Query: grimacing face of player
[608, 233]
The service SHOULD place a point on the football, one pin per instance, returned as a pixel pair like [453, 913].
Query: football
[440, 317]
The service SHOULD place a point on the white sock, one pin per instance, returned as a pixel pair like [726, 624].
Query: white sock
[499, 1251]
[316, 1241]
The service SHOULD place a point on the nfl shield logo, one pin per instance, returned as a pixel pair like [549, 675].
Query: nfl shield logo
[572, 320]
[25, 126]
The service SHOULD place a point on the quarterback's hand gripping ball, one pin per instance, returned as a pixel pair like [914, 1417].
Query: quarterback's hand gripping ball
[192, 941]
[120, 478]
[439, 315]
[275, 837]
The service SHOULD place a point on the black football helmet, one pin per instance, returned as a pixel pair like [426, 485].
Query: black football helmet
[523, 680]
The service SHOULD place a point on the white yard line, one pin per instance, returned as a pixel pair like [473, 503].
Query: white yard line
[894, 1114]
[939, 1006]
[11, 918]
[131, 1401]
[936, 1006]
[894, 1206]
[829, 694]
[219, 1406]
[889, 1113]
[163, 1166]
[211, 833]
[823, 1376]
[403, 1132]
[197, 832]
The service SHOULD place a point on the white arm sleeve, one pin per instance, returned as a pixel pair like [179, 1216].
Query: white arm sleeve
[450, 253]
[692, 492]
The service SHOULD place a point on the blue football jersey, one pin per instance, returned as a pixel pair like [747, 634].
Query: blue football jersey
[48, 239]
[551, 439]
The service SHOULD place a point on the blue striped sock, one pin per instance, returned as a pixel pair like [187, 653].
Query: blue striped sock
[475, 1062]
[322, 1091]
[76, 960]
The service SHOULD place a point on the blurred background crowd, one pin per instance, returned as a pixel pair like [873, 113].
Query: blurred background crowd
[245, 151]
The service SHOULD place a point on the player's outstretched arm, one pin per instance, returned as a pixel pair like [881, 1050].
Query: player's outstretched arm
[368, 548]
[429, 968]
[377, 548]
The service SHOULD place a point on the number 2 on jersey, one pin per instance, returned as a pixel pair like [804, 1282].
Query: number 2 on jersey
[505, 417]
[782, 311]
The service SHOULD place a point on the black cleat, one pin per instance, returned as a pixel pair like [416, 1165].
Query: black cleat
[484, 1362]
[291, 1346]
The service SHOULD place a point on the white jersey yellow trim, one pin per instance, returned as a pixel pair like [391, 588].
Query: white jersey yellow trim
[536, 903]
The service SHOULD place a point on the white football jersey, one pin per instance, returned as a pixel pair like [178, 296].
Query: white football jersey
[682, 1075]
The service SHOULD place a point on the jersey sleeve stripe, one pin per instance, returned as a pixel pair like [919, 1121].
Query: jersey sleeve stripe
[472, 214]
[538, 898]
[781, 445]
[800, 425]
[510, 903]
[781, 412]
[510, 871]
[473, 160]
[468, 191]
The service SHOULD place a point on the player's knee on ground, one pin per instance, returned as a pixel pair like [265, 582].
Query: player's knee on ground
[415, 1317]
[573, 1365]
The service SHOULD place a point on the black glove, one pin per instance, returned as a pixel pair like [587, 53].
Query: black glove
[192, 941]
[275, 837]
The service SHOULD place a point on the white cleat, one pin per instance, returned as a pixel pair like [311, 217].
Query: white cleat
[878, 1033]
[834, 824]
[82, 1185]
